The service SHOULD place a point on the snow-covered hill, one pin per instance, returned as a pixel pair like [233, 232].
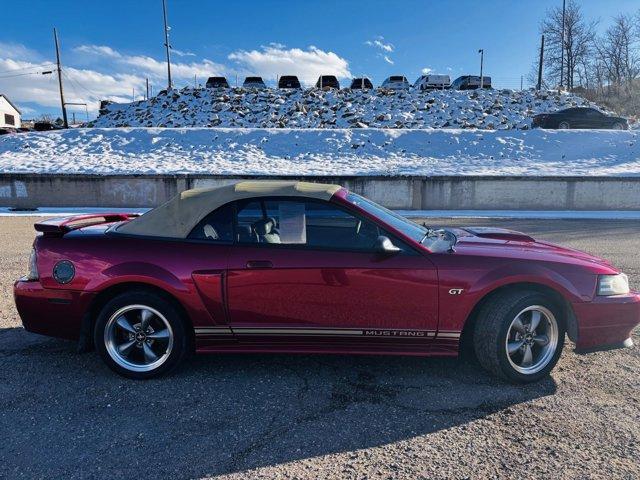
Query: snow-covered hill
[322, 152]
[314, 108]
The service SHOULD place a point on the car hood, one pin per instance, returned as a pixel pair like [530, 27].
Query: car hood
[500, 242]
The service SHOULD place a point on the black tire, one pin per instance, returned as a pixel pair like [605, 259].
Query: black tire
[492, 327]
[179, 345]
[619, 126]
[564, 125]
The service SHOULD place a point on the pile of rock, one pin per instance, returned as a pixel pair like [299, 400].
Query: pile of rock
[315, 108]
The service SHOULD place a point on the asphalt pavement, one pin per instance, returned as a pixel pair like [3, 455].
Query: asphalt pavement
[66, 415]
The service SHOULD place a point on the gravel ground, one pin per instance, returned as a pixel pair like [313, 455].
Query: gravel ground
[65, 415]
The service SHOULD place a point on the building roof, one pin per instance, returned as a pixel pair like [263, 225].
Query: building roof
[11, 103]
[177, 217]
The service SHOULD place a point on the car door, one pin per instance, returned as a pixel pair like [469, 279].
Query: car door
[305, 271]
[594, 119]
[585, 118]
[205, 260]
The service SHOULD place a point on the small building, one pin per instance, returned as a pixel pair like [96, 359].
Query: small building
[9, 113]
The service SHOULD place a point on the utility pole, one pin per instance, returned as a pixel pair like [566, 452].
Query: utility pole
[166, 43]
[564, 2]
[521, 80]
[481, 52]
[147, 88]
[539, 86]
[64, 108]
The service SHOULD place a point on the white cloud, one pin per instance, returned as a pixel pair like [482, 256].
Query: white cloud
[182, 53]
[426, 70]
[385, 48]
[98, 50]
[81, 86]
[276, 59]
[380, 43]
[88, 85]
[16, 51]
[100, 72]
[153, 68]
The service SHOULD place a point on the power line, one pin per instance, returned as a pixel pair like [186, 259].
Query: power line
[24, 74]
[34, 67]
[73, 80]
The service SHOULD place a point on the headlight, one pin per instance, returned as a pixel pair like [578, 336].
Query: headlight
[33, 266]
[613, 284]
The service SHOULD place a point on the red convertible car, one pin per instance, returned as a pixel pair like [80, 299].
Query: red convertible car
[313, 268]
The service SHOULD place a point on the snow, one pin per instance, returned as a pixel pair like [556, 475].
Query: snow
[315, 108]
[322, 152]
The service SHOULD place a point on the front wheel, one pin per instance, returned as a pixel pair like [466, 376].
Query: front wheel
[519, 336]
[619, 126]
[140, 335]
[564, 126]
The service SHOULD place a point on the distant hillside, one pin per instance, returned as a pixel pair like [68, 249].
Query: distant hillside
[313, 108]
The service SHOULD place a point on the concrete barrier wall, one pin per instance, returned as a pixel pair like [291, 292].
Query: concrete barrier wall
[410, 193]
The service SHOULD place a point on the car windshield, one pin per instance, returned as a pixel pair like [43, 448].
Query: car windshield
[409, 228]
[434, 240]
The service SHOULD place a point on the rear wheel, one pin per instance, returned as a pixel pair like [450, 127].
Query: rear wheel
[140, 335]
[619, 126]
[519, 336]
[564, 125]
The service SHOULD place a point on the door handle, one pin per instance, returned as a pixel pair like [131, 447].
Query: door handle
[259, 264]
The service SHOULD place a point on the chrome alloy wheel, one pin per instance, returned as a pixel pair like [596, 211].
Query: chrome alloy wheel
[138, 338]
[532, 339]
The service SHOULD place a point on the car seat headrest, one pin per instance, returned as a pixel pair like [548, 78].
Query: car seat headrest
[264, 226]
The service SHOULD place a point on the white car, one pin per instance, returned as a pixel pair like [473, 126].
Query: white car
[396, 82]
[432, 82]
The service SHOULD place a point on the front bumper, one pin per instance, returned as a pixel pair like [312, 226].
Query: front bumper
[51, 312]
[607, 322]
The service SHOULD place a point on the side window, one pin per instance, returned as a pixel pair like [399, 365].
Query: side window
[215, 227]
[331, 227]
[300, 222]
[248, 216]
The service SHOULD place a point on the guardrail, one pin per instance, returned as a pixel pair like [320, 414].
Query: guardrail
[398, 192]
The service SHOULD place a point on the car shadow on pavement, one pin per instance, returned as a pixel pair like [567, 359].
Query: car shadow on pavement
[66, 415]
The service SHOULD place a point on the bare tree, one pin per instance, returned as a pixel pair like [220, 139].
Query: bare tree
[577, 45]
[617, 53]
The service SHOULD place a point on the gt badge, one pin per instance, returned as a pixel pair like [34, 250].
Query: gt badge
[456, 291]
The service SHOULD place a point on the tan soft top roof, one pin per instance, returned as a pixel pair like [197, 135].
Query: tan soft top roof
[177, 217]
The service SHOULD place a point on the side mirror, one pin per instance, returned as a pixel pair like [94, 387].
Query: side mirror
[385, 245]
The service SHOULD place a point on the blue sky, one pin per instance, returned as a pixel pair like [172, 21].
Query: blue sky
[110, 47]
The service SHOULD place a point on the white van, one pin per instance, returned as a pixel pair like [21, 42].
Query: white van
[432, 82]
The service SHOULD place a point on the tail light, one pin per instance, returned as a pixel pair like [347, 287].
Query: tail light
[33, 267]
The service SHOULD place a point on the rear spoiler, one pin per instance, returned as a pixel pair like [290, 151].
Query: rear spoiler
[60, 226]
